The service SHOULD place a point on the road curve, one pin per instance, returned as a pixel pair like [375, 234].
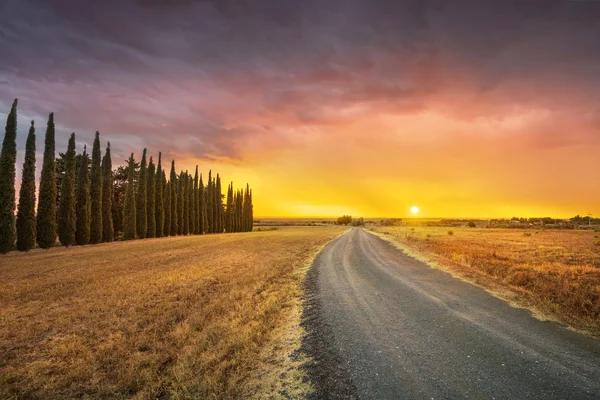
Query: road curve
[382, 325]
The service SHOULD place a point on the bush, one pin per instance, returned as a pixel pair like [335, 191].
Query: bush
[526, 233]
[450, 232]
[597, 243]
[471, 224]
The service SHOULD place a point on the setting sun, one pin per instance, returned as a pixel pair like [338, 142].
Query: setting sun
[414, 209]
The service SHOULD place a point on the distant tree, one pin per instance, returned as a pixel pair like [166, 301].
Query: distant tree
[82, 201]
[180, 203]
[159, 199]
[210, 204]
[129, 211]
[66, 210]
[174, 200]
[202, 197]
[247, 210]
[251, 214]
[108, 232]
[218, 206]
[344, 220]
[358, 221]
[8, 159]
[151, 232]
[47, 204]
[141, 200]
[194, 205]
[229, 209]
[26, 209]
[96, 193]
[166, 205]
[186, 204]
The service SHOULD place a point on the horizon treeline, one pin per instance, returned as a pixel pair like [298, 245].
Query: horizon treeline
[82, 200]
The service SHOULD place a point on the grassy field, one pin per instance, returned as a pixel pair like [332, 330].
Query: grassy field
[188, 317]
[554, 272]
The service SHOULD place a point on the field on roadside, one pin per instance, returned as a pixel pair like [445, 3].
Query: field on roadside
[555, 272]
[186, 317]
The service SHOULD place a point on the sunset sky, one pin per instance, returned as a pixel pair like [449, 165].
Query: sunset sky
[464, 108]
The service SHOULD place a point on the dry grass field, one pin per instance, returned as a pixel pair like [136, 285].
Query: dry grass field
[187, 317]
[554, 272]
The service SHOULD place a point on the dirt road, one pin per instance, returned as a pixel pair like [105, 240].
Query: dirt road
[383, 325]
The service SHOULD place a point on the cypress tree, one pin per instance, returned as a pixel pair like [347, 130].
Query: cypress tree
[158, 199]
[82, 201]
[46, 213]
[229, 209]
[181, 203]
[66, 210]
[209, 204]
[202, 207]
[129, 209]
[108, 231]
[194, 207]
[166, 204]
[187, 208]
[96, 193]
[141, 201]
[174, 202]
[26, 209]
[150, 201]
[238, 216]
[219, 203]
[8, 159]
[251, 213]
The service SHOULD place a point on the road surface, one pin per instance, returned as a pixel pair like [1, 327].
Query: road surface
[383, 325]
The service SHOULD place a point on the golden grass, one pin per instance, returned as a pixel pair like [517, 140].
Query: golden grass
[185, 317]
[554, 272]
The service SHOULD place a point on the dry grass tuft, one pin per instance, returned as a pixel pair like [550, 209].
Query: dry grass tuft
[185, 317]
[556, 273]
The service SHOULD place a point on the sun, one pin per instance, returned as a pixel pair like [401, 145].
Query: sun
[414, 209]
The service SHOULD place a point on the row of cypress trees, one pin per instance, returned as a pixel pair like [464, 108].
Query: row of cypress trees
[77, 205]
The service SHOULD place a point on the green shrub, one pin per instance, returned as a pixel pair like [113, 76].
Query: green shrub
[526, 233]
[450, 232]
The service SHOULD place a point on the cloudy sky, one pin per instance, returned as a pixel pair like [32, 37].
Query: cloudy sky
[465, 108]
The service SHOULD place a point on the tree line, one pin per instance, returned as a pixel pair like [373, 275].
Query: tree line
[82, 200]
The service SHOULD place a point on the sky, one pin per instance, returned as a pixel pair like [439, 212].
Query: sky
[327, 107]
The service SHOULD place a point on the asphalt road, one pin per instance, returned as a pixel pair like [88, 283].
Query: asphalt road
[383, 325]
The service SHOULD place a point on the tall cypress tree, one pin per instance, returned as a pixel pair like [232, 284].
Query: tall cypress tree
[26, 209]
[238, 208]
[219, 203]
[141, 200]
[129, 209]
[96, 193]
[202, 207]
[174, 201]
[108, 231]
[82, 201]
[251, 213]
[210, 203]
[66, 209]
[158, 199]
[46, 213]
[180, 203]
[166, 204]
[194, 208]
[187, 206]
[229, 209]
[151, 232]
[8, 159]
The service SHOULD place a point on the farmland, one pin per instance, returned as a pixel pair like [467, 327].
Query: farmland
[554, 272]
[211, 316]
